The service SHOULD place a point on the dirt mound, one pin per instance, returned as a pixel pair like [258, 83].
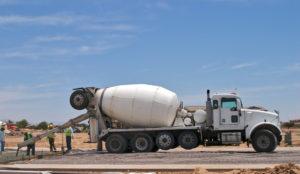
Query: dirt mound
[201, 170]
[284, 169]
[280, 169]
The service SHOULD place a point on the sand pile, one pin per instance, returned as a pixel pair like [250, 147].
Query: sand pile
[284, 169]
[280, 169]
[201, 170]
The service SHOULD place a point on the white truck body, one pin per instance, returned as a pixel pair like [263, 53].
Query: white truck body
[157, 121]
[240, 118]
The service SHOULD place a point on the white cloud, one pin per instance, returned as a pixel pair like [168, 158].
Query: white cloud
[270, 88]
[54, 38]
[229, 0]
[163, 5]
[41, 20]
[111, 36]
[242, 65]
[110, 27]
[78, 21]
[36, 52]
[94, 49]
[8, 2]
[24, 93]
[34, 103]
[294, 67]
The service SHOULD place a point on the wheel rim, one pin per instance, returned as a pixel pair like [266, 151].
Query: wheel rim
[165, 140]
[188, 139]
[78, 100]
[141, 144]
[115, 145]
[263, 141]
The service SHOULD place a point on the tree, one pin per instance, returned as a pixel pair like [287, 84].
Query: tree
[10, 121]
[42, 125]
[22, 123]
[288, 124]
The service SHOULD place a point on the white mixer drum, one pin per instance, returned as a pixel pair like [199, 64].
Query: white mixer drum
[140, 105]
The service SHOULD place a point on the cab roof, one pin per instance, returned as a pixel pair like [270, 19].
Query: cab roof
[220, 95]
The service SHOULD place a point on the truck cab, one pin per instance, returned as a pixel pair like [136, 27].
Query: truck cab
[236, 123]
[227, 112]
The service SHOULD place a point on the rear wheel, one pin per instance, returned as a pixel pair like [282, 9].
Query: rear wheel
[142, 143]
[116, 143]
[264, 141]
[155, 149]
[165, 140]
[188, 139]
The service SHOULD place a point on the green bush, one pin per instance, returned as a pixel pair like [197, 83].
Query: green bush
[22, 123]
[42, 125]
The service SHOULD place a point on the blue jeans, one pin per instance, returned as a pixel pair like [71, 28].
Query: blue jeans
[69, 142]
[32, 147]
[2, 146]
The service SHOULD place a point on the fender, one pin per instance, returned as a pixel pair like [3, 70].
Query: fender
[264, 125]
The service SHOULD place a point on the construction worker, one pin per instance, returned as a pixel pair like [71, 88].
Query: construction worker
[51, 138]
[2, 139]
[69, 136]
[27, 136]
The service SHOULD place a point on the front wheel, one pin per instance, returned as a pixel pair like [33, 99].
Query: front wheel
[264, 141]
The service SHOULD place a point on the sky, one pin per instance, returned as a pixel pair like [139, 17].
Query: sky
[49, 47]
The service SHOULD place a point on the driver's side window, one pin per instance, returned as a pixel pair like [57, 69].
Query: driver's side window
[229, 103]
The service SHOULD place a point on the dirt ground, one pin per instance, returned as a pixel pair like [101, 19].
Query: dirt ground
[79, 141]
[85, 153]
[201, 155]
[279, 169]
[295, 135]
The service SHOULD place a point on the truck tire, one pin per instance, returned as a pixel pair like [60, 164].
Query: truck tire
[116, 143]
[175, 145]
[165, 140]
[264, 141]
[188, 139]
[142, 143]
[155, 149]
[79, 100]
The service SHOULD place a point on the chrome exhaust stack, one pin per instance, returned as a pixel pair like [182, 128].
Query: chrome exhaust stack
[209, 109]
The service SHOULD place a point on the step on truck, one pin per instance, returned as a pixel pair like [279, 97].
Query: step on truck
[153, 119]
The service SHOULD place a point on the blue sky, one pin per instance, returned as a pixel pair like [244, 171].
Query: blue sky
[47, 48]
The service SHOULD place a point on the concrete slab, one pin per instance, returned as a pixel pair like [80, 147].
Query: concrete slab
[157, 167]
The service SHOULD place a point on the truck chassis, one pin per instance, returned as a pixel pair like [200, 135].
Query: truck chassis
[151, 139]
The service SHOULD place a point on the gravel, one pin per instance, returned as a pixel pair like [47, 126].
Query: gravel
[212, 155]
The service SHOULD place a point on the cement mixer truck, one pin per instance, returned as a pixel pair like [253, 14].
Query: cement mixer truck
[155, 119]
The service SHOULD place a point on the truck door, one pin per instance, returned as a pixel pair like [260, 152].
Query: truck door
[230, 114]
